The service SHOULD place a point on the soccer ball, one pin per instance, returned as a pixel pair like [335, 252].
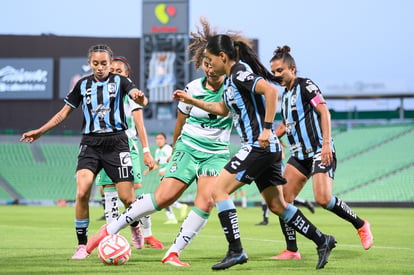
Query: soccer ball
[114, 250]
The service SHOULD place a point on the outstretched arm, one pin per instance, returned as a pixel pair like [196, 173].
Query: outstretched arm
[216, 108]
[57, 119]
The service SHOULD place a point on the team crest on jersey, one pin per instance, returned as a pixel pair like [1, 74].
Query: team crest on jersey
[293, 100]
[111, 89]
[173, 168]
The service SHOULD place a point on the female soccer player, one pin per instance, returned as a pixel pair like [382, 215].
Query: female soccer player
[201, 149]
[104, 144]
[252, 101]
[307, 124]
[136, 129]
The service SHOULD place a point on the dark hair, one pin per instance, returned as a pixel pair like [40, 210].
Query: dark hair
[100, 48]
[238, 50]
[201, 37]
[284, 54]
[161, 134]
[124, 61]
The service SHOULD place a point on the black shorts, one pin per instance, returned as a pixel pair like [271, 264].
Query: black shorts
[109, 151]
[257, 164]
[311, 166]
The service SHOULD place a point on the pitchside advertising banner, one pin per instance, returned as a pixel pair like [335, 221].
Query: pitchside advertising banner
[71, 69]
[26, 78]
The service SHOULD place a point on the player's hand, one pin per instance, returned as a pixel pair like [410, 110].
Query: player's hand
[326, 154]
[180, 95]
[31, 136]
[264, 138]
[139, 97]
[149, 161]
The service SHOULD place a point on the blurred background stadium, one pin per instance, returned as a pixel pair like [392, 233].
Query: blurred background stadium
[372, 109]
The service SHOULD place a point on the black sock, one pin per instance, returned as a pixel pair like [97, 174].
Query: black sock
[103, 201]
[301, 224]
[290, 236]
[344, 211]
[230, 224]
[265, 213]
[82, 234]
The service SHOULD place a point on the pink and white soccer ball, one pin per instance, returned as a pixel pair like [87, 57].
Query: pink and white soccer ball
[114, 250]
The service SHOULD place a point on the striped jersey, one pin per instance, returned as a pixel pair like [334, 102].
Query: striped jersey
[203, 131]
[303, 127]
[102, 102]
[247, 106]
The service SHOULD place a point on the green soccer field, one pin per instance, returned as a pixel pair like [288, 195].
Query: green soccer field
[41, 240]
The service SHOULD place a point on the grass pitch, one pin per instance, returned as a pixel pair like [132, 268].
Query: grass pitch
[41, 240]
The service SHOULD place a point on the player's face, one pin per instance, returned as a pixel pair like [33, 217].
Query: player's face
[281, 69]
[100, 63]
[212, 77]
[118, 67]
[160, 140]
[215, 62]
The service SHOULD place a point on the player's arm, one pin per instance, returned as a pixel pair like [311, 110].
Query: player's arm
[57, 119]
[326, 154]
[138, 96]
[138, 117]
[216, 108]
[179, 123]
[270, 93]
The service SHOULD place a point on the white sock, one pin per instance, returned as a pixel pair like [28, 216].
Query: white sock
[170, 214]
[177, 205]
[191, 226]
[111, 206]
[244, 202]
[142, 206]
[146, 226]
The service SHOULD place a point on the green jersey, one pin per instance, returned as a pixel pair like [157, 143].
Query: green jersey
[203, 131]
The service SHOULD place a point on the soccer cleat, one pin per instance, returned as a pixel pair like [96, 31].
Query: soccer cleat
[80, 253]
[324, 251]
[172, 259]
[263, 223]
[171, 221]
[137, 237]
[287, 255]
[152, 242]
[309, 205]
[183, 211]
[94, 241]
[365, 234]
[232, 258]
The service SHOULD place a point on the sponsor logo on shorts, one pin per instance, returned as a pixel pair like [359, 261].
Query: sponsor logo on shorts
[125, 158]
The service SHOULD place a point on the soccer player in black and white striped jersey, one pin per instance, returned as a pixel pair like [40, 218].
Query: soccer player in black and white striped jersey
[104, 144]
[307, 124]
